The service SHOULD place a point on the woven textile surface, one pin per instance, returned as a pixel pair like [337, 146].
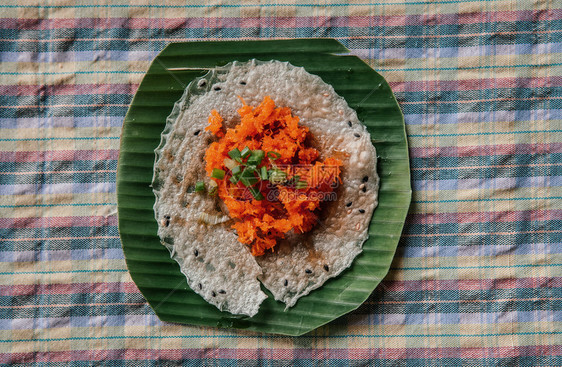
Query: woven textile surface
[477, 278]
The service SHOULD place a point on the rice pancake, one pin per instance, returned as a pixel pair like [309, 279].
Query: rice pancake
[195, 226]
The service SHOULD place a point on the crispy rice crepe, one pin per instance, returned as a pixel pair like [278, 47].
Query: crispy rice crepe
[195, 227]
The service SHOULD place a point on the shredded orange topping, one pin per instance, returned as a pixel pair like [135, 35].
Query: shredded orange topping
[291, 203]
[215, 124]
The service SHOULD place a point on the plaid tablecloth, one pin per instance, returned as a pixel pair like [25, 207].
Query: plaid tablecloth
[477, 279]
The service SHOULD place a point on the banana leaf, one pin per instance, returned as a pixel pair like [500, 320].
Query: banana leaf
[158, 277]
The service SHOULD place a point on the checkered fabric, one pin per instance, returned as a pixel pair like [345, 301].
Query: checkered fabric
[477, 279]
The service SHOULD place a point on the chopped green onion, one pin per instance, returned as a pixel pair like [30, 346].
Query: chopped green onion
[276, 176]
[248, 171]
[263, 173]
[256, 157]
[249, 181]
[273, 155]
[247, 177]
[245, 152]
[295, 179]
[217, 173]
[256, 193]
[234, 179]
[236, 170]
[301, 185]
[200, 186]
[229, 163]
[214, 187]
[235, 154]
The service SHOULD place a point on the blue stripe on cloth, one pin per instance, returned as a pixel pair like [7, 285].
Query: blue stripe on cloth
[134, 55]
[392, 268]
[421, 248]
[379, 319]
[120, 30]
[422, 167]
[479, 117]
[57, 169]
[237, 336]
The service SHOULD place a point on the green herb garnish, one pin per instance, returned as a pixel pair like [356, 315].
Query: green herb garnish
[301, 185]
[273, 155]
[200, 186]
[263, 173]
[236, 170]
[217, 173]
[247, 177]
[276, 176]
[256, 193]
[256, 157]
[245, 152]
[236, 155]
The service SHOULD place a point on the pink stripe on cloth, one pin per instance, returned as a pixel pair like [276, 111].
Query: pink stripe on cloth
[55, 222]
[281, 22]
[325, 355]
[68, 288]
[59, 155]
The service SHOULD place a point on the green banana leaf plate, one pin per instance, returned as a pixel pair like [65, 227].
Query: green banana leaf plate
[158, 277]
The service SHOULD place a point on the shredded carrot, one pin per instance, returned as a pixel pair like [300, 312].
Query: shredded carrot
[289, 205]
[215, 124]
